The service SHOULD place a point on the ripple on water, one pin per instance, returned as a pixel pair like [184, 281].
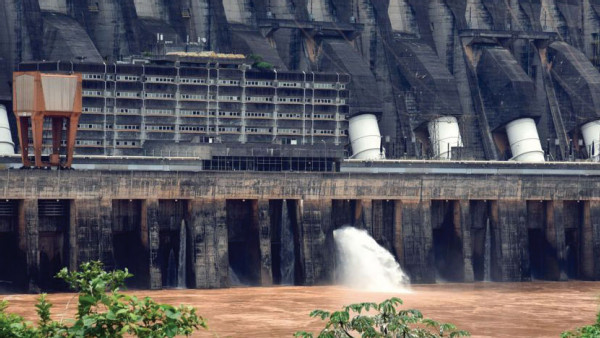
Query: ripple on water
[537, 309]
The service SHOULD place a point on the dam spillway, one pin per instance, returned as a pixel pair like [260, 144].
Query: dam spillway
[541, 226]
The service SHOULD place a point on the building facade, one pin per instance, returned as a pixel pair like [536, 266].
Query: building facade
[187, 106]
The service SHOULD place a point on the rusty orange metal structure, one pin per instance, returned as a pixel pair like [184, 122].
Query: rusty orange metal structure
[38, 96]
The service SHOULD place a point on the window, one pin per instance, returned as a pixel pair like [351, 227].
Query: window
[91, 93]
[229, 82]
[160, 95]
[160, 79]
[92, 109]
[93, 76]
[254, 114]
[160, 128]
[159, 111]
[192, 80]
[127, 127]
[127, 78]
[128, 94]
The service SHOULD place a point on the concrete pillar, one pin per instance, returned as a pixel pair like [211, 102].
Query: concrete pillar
[398, 239]
[417, 236]
[462, 223]
[510, 240]
[366, 215]
[264, 236]
[590, 241]
[151, 240]
[555, 237]
[207, 220]
[73, 232]
[106, 233]
[317, 245]
[90, 233]
[377, 222]
[29, 239]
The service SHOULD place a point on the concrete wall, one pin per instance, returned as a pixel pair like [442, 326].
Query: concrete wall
[404, 213]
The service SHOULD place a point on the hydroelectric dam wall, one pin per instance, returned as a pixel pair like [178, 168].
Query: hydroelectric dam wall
[463, 222]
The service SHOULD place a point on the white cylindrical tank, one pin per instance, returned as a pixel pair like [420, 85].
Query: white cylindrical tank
[7, 147]
[524, 141]
[365, 137]
[444, 134]
[591, 137]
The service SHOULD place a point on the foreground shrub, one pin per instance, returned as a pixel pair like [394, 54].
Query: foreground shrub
[590, 331]
[103, 311]
[387, 320]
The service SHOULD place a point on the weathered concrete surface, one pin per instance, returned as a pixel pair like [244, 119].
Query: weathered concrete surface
[418, 240]
[264, 237]
[23, 184]
[151, 240]
[207, 219]
[462, 214]
[398, 210]
[28, 240]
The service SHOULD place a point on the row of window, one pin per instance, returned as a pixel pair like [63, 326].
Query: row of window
[95, 93]
[160, 111]
[190, 80]
[160, 95]
[88, 142]
[158, 79]
[127, 78]
[171, 112]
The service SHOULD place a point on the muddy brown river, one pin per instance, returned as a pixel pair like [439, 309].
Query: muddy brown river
[539, 309]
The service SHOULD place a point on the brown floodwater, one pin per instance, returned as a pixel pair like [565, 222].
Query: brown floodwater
[538, 309]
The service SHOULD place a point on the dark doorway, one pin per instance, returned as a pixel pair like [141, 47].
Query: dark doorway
[244, 246]
[13, 263]
[175, 254]
[128, 246]
[53, 243]
[447, 244]
[284, 237]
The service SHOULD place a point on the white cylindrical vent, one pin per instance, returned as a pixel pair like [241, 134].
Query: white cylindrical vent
[7, 147]
[365, 137]
[524, 141]
[444, 135]
[591, 137]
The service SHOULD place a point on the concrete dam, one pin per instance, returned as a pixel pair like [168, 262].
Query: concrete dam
[437, 220]
[216, 135]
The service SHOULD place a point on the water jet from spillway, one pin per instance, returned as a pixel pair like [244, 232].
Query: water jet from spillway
[365, 265]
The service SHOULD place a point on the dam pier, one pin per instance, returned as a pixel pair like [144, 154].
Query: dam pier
[432, 217]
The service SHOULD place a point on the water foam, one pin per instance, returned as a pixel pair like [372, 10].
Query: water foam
[365, 265]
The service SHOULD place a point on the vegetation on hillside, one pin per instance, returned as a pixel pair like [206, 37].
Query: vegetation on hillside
[103, 311]
[372, 320]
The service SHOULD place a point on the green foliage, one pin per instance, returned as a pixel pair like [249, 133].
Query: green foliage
[263, 65]
[255, 58]
[104, 312]
[380, 320]
[590, 331]
[259, 63]
[12, 325]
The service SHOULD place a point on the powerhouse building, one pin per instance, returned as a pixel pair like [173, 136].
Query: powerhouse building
[206, 107]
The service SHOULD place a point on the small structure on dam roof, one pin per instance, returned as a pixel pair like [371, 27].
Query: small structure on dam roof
[37, 97]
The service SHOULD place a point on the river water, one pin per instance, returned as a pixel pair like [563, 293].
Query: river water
[538, 309]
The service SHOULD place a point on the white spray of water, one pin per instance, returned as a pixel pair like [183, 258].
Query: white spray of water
[365, 265]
